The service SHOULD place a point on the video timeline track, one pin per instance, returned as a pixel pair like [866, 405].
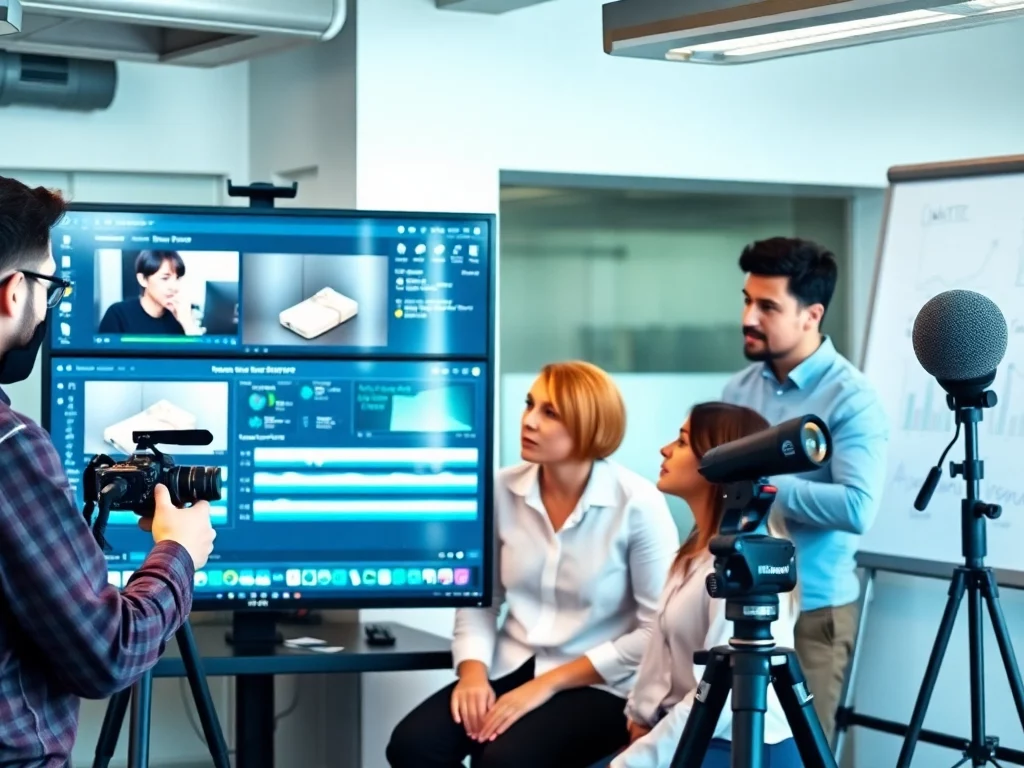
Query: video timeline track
[338, 484]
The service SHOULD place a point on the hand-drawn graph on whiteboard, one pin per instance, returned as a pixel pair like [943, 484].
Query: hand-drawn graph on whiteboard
[948, 226]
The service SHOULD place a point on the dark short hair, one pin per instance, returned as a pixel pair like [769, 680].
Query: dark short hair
[811, 268]
[26, 217]
[148, 263]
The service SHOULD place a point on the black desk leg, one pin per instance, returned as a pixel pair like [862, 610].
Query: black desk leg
[254, 720]
[138, 736]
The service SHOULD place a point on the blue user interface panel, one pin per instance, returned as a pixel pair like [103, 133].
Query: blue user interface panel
[207, 283]
[358, 480]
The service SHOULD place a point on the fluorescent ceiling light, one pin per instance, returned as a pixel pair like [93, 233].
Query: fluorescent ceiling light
[713, 32]
[10, 17]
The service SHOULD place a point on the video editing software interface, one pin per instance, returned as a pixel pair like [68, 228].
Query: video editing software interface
[357, 478]
[250, 283]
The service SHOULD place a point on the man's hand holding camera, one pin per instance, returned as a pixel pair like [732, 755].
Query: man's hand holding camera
[190, 527]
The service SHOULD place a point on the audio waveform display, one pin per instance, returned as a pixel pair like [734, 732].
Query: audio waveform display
[306, 485]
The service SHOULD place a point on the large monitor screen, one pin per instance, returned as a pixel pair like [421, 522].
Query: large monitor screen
[195, 281]
[355, 483]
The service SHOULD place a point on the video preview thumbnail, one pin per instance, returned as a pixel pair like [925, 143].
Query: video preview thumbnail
[315, 299]
[166, 293]
[116, 409]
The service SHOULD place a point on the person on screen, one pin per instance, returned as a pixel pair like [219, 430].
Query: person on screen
[160, 309]
[796, 370]
[582, 550]
[65, 632]
[689, 620]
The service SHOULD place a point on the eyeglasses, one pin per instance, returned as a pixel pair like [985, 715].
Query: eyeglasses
[57, 289]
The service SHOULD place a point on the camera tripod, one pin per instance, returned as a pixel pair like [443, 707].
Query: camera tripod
[140, 695]
[978, 580]
[751, 570]
[747, 666]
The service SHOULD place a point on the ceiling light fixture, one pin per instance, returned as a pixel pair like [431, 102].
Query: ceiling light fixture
[716, 32]
[10, 17]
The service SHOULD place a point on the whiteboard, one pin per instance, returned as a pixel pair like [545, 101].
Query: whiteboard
[955, 225]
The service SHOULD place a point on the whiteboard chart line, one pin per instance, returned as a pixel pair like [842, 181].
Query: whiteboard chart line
[942, 283]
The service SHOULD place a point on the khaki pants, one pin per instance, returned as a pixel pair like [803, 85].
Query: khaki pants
[824, 643]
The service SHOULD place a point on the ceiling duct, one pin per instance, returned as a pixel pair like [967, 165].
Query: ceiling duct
[197, 33]
[55, 81]
[730, 32]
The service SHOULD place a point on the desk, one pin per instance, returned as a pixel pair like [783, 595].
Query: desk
[254, 691]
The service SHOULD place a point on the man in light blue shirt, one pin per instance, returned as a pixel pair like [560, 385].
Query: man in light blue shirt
[797, 371]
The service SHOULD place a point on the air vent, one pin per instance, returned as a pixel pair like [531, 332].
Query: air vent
[45, 69]
[56, 82]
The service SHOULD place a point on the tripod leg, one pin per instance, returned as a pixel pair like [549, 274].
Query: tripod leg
[201, 694]
[995, 610]
[700, 727]
[956, 593]
[976, 645]
[138, 736]
[751, 675]
[798, 704]
[117, 707]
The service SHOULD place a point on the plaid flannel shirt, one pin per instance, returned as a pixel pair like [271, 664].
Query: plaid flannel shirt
[65, 632]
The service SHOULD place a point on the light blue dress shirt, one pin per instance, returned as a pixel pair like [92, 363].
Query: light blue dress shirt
[826, 510]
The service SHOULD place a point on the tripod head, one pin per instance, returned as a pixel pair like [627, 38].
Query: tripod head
[751, 568]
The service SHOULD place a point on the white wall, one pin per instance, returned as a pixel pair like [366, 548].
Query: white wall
[302, 121]
[447, 100]
[163, 120]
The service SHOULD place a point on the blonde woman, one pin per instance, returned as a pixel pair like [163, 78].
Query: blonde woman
[583, 547]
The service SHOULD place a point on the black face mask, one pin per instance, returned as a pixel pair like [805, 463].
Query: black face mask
[17, 363]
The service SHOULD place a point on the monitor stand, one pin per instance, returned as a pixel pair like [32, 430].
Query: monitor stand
[255, 633]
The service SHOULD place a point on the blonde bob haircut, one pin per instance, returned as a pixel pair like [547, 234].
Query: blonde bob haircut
[589, 404]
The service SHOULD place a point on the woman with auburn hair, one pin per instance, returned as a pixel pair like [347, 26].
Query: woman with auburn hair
[689, 620]
[582, 549]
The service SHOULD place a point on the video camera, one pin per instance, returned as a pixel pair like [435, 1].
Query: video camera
[750, 564]
[129, 485]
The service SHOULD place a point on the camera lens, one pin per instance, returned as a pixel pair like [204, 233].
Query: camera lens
[815, 442]
[191, 484]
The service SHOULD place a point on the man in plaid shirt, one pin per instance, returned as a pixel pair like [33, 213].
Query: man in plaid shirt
[65, 632]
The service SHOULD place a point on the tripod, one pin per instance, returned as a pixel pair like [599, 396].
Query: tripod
[751, 571]
[747, 666]
[100, 497]
[979, 582]
[140, 695]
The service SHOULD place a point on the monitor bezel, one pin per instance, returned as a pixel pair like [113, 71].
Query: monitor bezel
[212, 351]
[377, 600]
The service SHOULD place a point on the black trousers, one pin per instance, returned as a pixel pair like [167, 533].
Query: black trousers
[573, 729]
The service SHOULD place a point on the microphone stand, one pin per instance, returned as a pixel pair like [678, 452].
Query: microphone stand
[978, 580]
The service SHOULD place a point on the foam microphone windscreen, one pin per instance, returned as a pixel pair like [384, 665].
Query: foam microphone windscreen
[960, 335]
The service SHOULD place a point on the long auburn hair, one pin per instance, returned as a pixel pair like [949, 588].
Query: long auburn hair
[713, 424]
